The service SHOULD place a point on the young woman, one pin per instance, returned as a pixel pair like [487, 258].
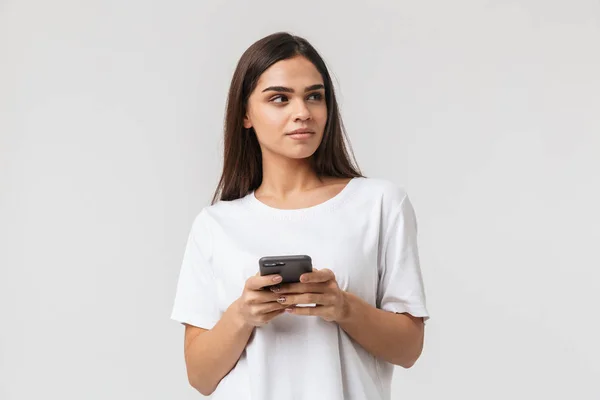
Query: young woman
[288, 187]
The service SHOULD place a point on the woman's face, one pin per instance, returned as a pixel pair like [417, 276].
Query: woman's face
[289, 95]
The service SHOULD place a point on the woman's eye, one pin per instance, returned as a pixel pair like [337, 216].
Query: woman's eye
[282, 97]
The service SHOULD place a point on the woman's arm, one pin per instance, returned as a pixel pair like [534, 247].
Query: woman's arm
[211, 354]
[396, 338]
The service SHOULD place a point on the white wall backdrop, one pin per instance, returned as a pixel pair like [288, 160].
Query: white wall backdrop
[110, 137]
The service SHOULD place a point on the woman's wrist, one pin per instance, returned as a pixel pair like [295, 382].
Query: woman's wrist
[235, 316]
[343, 312]
[350, 309]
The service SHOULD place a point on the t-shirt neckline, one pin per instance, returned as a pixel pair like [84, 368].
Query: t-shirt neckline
[328, 204]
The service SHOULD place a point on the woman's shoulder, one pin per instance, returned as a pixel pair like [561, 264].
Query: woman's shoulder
[388, 192]
[223, 208]
[217, 211]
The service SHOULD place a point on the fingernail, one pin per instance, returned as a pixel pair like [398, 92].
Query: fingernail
[281, 299]
[275, 289]
[277, 278]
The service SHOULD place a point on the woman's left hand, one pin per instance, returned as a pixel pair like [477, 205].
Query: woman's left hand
[319, 287]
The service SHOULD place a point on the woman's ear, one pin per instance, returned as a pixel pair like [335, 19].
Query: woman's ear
[247, 123]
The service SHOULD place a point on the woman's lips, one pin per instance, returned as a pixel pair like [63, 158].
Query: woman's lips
[300, 133]
[300, 136]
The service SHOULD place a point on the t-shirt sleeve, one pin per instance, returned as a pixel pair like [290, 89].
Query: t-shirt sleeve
[400, 286]
[195, 300]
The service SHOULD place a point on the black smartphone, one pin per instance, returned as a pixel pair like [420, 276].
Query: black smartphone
[290, 267]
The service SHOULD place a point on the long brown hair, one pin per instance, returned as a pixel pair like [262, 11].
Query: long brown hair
[242, 163]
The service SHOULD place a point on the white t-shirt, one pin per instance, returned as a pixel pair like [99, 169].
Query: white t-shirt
[366, 234]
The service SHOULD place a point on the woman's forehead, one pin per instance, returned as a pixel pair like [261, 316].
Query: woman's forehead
[297, 71]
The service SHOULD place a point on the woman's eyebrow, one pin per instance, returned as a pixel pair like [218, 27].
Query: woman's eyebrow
[290, 90]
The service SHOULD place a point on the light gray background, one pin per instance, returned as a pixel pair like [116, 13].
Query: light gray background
[487, 112]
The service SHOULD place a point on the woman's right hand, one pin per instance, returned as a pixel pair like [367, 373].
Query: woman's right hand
[257, 306]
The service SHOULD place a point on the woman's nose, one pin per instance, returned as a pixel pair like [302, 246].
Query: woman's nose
[301, 111]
